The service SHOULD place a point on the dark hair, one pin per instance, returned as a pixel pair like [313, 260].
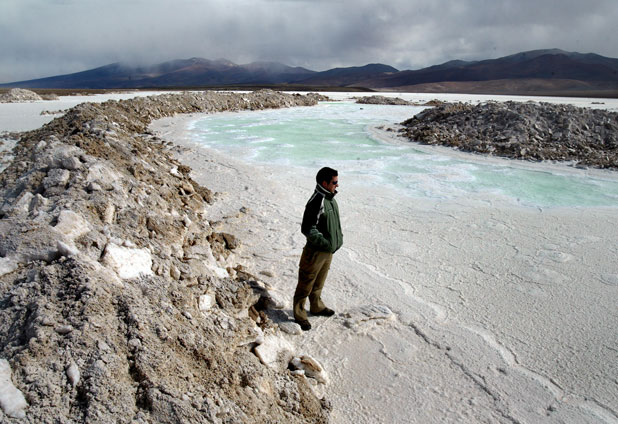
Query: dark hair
[325, 174]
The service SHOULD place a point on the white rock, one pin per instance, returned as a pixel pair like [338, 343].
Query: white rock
[92, 186]
[12, 400]
[64, 329]
[108, 214]
[38, 202]
[290, 327]
[135, 343]
[7, 265]
[22, 206]
[72, 225]
[206, 302]
[218, 271]
[71, 163]
[275, 299]
[128, 263]
[259, 335]
[73, 373]
[66, 249]
[175, 272]
[311, 367]
[103, 175]
[275, 352]
[56, 177]
[186, 221]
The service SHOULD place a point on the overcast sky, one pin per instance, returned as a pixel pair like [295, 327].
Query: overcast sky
[41, 38]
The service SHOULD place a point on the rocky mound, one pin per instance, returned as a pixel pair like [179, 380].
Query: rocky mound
[17, 95]
[119, 302]
[531, 131]
[382, 100]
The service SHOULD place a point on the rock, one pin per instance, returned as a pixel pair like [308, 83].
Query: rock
[73, 374]
[72, 163]
[290, 327]
[311, 368]
[72, 225]
[22, 205]
[12, 399]
[56, 177]
[8, 265]
[175, 272]
[64, 329]
[206, 302]
[275, 352]
[231, 241]
[103, 175]
[65, 249]
[135, 344]
[128, 263]
[38, 203]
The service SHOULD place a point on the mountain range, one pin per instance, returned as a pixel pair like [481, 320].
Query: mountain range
[538, 71]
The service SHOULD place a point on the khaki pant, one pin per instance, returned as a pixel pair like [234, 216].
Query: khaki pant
[312, 271]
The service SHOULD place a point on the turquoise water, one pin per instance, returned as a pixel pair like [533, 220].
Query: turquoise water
[337, 135]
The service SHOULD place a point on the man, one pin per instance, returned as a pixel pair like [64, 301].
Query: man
[322, 228]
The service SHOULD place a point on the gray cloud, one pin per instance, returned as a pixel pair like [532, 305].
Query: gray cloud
[48, 37]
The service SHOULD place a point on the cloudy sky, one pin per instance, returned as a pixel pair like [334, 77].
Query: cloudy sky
[41, 38]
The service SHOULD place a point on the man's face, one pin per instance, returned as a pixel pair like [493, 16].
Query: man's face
[332, 185]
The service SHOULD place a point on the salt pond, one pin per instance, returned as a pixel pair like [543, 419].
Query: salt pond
[341, 134]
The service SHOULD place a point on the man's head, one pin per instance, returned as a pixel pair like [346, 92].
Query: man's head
[328, 178]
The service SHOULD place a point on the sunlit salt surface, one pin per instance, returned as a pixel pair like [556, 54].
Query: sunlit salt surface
[339, 134]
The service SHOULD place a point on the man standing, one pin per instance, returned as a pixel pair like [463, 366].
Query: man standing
[322, 228]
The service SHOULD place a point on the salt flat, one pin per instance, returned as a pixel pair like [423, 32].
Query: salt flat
[448, 310]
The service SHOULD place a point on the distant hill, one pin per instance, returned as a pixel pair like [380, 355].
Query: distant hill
[176, 73]
[550, 71]
[343, 77]
[561, 70]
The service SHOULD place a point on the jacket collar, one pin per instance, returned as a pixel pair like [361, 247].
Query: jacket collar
[325, 192]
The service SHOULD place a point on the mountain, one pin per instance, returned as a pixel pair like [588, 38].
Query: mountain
[176, 73]
[550, 71]
[341, 77]
[551, 64]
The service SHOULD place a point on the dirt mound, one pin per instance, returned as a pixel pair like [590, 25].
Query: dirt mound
[119, 302]
[17, 95]
[531, 131]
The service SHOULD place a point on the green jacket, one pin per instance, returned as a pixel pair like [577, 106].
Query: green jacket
[321, 223]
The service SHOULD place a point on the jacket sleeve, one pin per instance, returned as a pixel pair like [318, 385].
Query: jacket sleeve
[309, 226]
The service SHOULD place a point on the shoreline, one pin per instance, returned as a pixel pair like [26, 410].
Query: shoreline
[559, 167]
[445, 300]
